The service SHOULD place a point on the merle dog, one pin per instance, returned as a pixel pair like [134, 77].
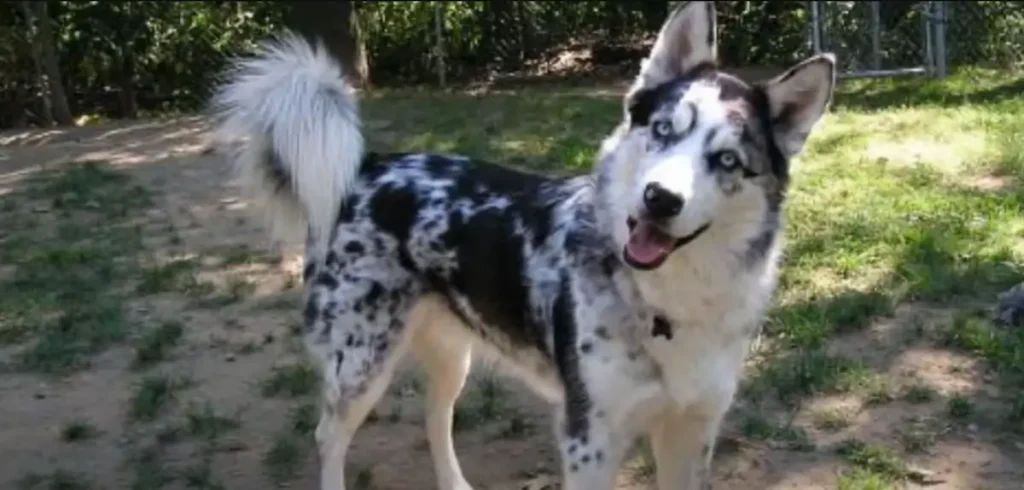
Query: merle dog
[627, 298]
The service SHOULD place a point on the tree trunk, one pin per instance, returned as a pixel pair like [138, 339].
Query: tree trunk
[17, 108]
[335, 24]
[47, 62]
[654, 13]
[129, 99]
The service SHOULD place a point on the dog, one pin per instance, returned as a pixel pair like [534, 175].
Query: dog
[628, 298]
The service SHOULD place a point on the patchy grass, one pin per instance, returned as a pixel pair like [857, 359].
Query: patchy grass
[487, 403]
[919, 393]
[152, 394]
[290, 380]
[78, 430]
[173, 275]
[363, 479]
[908, 196]
[760, 428]
[153, 345]
[284, 457]
[803, 373]
[204, 422]
[918, 178]
[304, 419]
[960, 407]
[919, 434]
[56, 480]
[72, 244]
[148, 472]
[834, 419]
[1001, 346]
[873, 464]
[199, 476]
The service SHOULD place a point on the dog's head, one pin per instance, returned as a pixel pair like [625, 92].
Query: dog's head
[700, 148]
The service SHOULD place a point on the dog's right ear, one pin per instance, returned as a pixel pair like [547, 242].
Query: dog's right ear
[686, 40]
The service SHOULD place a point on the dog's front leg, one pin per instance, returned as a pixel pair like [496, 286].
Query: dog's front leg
[591, 451]
[683, 444]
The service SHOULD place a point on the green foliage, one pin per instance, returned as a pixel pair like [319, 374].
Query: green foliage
[153, 56]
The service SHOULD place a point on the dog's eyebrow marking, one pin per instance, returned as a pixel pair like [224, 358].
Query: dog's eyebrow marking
[719, 137]
[684, 117]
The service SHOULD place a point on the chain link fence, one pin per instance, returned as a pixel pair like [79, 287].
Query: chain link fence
[885, 38]
[870, 38]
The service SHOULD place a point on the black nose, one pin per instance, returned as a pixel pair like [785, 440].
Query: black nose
[661, 203]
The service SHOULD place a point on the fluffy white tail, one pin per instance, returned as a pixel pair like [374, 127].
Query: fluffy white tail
[295, 131]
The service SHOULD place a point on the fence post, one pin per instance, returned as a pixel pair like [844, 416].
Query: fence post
[815, 27]
[929, 54]
[439, 47]
[940, 38]
[876, 34]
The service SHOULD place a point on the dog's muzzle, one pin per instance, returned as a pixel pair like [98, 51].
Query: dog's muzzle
[649, 245]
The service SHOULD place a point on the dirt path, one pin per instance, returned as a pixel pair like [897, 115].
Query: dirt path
[226, 402]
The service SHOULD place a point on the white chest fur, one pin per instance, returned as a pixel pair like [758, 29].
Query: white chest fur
[714, 303]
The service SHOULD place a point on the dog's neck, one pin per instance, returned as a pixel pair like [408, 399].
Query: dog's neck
[700, 276]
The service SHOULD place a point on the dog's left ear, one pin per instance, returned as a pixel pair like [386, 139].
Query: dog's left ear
[798, 99]
[686, 40]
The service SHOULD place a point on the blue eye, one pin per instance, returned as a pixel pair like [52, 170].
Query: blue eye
[662, 128]
[727, 159]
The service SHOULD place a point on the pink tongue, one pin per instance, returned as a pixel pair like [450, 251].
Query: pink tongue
[647, 244]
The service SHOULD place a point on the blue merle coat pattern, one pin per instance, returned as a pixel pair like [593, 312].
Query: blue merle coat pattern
[627, 298]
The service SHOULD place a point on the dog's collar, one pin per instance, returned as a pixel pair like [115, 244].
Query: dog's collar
[662, 327]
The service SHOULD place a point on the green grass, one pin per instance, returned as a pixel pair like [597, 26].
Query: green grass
[909, 192]
[488, 402]
[72, 244]
[78, 430]
[56, 480]
[919, 393]
[290, 380]
[152, 394]
[284, 457]
[148, 472]
[204, 422]
[760, 428]
[304, 419]
[154, 344]
[872, 461]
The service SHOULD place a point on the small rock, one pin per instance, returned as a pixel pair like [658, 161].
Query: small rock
[39, 396]
[233, 446]
[972, 427]
[42, 208]
[229, 358]
[1011, 305]
[1019, 445]
[923, 476]
[91, 204]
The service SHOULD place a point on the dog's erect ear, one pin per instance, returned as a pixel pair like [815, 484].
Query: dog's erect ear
[798, 98]
[686, 40]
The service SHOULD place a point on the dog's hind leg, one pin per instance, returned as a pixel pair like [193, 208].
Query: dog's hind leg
[444, 348]
[340, 418]
[357, 330]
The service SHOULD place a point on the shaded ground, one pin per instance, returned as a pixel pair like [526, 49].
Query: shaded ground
[148, 330]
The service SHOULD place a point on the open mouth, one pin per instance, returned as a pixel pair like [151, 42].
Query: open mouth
[648, 245]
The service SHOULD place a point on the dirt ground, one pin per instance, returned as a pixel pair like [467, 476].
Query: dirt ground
[228, 352]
